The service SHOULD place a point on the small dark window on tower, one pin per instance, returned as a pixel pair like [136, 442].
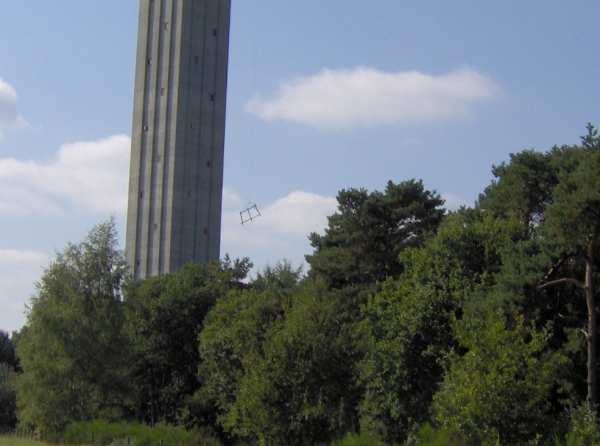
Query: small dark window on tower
[138, 262]
[145, 127]
[189, 193]
[193, 125]
[211, 97]
[155, 227]
[149, 61]
[162, 91]
[142, 194]
[208, 164]
[205, 231]
[166, 26]
[196, 60]
[215, 32]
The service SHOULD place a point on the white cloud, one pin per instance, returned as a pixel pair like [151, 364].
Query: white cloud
[230, 198]
[87, 175]
[368, 97]
[19, 270]
[453, 201]
[9, 110]
[280, 232]
[299, 213]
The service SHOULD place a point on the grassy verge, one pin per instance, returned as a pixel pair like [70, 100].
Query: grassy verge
[101, 433]
[7, 441]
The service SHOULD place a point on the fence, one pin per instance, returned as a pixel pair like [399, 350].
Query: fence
[21, 432]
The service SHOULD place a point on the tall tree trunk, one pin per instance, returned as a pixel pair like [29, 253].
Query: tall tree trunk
[591, 335]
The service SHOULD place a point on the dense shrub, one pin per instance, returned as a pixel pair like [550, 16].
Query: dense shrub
[101, 432]
[8, 401]
[357, 440]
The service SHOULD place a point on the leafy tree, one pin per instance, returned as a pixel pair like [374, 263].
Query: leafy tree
[572, 221]
[299, 388]
[8, 354]
[360, 247]
[164, 317]
[234, 332]
[551, 273]
[73, 352]
[281, 276]
[8, 400]
[9, 364]
[407, 328]
[500, 389]
[521, 188]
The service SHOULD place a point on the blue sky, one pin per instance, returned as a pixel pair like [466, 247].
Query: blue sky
[322, 95]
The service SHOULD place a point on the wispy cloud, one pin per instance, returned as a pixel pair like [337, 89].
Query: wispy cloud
[19, 270]
[280, 232]
[90, 175]
[368, 97]
[9, 109]
[299, 213]
[453, 201]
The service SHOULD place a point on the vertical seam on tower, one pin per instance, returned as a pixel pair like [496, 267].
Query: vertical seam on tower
[146, 137]
[154, 196]
[212, 141]
[168, 134]
[201, 138]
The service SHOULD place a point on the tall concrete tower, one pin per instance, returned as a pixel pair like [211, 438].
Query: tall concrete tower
[177, 141]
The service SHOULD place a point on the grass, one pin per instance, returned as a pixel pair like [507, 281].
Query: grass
[7, 441]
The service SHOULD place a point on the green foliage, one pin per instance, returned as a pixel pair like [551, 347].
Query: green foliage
[572, 222]
[364, 237]
[473, 316]
[233, 332]
[499, 390]
[9, 364]
[584, 429]
[407, 328]
[573, 217]
[299, 387]
[164, 317]
[522, 188]
[102, 433]
[428, 436]
[8, 400]
[357, 440]
[8, 354]
[278, 362]
[11, 441]
[399, 372]
[557, 196]
[73, 352]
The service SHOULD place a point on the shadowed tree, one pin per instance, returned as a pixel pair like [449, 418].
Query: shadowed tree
[364, 237]
[572, 222]
[164, 318]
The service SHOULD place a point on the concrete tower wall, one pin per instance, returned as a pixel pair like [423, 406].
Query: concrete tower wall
[176, 173]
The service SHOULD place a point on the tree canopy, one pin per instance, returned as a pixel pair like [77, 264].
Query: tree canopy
[72, 352]
[413, 323]
[364, 237]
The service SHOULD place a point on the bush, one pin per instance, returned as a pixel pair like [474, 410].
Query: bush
[583, 429]
[357, 440]
[8, 401]
[101, 433]
[428, 436]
